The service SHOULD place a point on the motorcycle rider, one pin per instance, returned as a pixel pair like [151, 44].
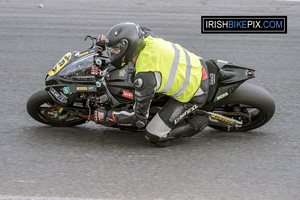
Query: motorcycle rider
[161, 67]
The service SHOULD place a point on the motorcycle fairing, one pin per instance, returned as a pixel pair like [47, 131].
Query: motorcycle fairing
[57, 95]
[61, 63]
[65, 94]
[74, 60]
[228, 78]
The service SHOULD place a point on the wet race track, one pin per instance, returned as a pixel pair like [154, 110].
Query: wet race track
[92, 162]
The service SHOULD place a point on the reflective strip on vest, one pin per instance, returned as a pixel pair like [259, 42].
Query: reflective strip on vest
[180, 70]
[173, 70]
[187, 75]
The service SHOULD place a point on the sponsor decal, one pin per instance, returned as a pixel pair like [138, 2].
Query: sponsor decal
[125, 125]
[122, 73]
[82, 54]
[82, 88]
[222, 96]
[66, 90]
[244, 24]
[127, 94]
[138, 93]
[91, 88]
[61, 63]
[222, 61]
[212, 78]
[204, 74]
[222, 118]
[178, 119]
[59, 96]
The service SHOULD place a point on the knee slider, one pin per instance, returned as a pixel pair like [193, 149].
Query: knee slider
[152, 138]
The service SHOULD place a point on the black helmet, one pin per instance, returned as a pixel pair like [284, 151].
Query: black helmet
[126, 40]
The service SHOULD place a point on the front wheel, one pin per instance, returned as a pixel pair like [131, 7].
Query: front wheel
[249, 103]
[42, 108]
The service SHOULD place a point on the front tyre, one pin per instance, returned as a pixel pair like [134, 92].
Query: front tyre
[249, 103]
[42, 108]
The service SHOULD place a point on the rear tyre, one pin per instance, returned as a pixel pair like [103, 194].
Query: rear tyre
[249, 103]
[42, 108]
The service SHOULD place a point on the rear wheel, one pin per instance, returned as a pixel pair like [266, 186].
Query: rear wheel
[249, 103]
[42, 108]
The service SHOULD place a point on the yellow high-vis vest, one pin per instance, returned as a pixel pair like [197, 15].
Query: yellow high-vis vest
[180, 69]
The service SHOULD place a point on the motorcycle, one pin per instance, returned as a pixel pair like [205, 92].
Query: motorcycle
[83, 81]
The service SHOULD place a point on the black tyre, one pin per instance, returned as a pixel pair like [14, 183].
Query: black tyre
[249, 103]
[42, 108]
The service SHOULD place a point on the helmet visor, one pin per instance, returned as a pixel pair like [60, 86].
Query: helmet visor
[117, 51]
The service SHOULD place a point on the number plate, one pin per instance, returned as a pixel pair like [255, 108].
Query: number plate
[61, 63]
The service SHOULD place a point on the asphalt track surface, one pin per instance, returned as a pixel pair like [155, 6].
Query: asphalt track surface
[92, 162]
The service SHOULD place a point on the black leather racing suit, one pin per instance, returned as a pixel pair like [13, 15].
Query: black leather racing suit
[161, 126]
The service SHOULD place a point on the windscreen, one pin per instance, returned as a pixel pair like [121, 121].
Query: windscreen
[82, 67]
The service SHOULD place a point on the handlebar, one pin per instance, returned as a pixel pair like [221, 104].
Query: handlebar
[101, 41]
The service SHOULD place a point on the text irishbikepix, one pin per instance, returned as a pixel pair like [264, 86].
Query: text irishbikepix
[244, 24]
